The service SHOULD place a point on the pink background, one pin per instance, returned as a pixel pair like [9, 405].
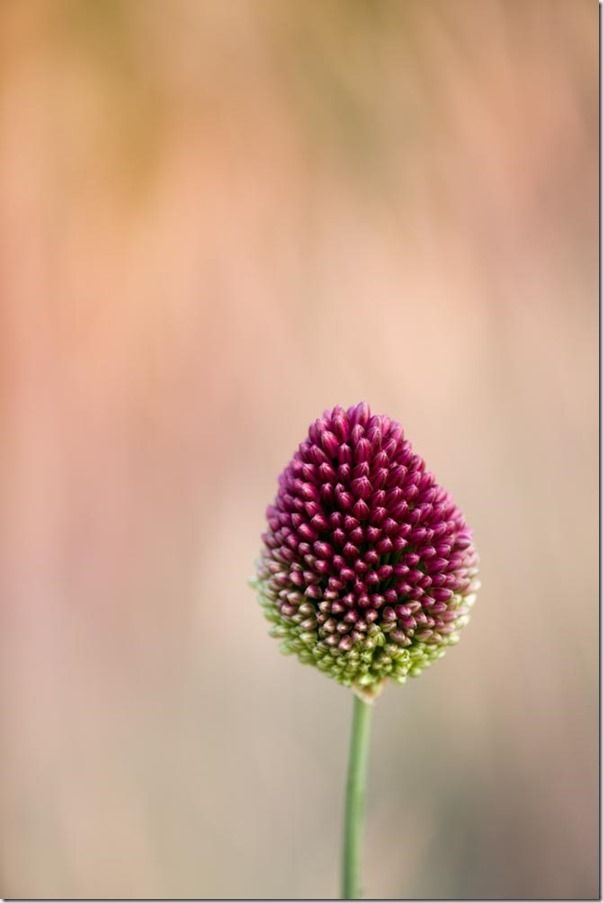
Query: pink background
[217, 218]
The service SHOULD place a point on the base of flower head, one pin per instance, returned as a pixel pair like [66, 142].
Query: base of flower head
[369, 694]
[368, 663]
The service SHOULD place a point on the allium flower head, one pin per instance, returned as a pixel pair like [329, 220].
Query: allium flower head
[368, 570]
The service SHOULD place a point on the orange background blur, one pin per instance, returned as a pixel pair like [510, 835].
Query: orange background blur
[218, 218]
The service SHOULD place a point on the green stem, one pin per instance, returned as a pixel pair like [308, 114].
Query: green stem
[354, 800]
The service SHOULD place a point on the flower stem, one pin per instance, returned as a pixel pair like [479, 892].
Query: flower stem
[354, 801]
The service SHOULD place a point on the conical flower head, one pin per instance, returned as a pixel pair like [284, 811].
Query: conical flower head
[368, 570]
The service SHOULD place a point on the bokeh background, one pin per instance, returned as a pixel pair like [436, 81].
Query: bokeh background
[218, 218]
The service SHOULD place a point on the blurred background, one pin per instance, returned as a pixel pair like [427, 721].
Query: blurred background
[218, 218]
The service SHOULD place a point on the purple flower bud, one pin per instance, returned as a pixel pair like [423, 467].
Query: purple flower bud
[368, 569]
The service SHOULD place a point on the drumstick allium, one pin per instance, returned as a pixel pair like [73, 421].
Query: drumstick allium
[368, 570]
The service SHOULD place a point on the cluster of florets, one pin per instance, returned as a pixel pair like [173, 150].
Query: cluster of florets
[368, 570]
